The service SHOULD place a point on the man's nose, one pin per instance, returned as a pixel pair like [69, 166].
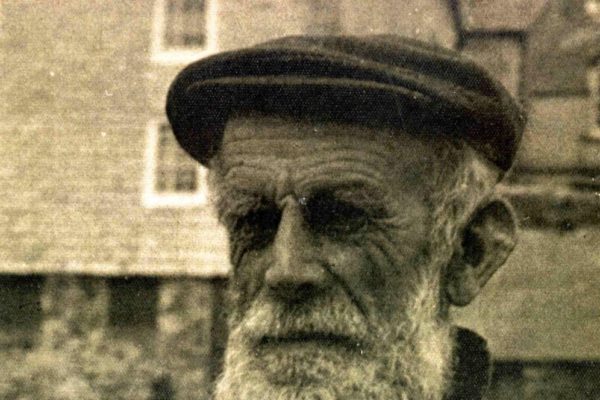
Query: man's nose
[297, 272]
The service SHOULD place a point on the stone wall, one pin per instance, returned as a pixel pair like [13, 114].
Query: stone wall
[545, 381]
[78, 347]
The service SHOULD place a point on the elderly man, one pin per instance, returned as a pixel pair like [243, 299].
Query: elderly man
[355, 177]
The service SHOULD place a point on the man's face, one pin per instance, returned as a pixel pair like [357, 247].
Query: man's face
[335, 284]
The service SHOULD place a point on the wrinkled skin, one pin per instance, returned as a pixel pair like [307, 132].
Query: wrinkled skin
[336, 282]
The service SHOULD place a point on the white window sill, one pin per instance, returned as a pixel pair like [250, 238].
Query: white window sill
[175, 57]
[173, 200]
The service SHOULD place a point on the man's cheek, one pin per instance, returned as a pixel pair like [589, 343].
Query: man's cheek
[356, 270]
[248, 277]
[378, 269]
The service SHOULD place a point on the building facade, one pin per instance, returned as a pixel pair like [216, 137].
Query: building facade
[106, 226]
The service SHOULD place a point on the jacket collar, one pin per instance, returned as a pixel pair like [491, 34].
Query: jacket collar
[472, 366]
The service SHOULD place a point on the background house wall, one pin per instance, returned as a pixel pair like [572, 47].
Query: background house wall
[539, 313]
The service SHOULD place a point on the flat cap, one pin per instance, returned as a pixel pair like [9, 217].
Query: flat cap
[383, 78]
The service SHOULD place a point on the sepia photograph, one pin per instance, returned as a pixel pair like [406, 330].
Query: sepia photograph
[300, 199]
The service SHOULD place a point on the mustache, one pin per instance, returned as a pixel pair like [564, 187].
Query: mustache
[329, 319]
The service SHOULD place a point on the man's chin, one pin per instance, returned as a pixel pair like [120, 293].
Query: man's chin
[297, 371]
[303, 362]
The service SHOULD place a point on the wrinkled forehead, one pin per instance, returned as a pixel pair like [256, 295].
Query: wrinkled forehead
[306, 149]
[252, 137]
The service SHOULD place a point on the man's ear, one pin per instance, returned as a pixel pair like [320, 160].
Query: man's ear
[487, 241]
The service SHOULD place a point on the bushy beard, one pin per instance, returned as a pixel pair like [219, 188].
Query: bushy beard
[405, 359]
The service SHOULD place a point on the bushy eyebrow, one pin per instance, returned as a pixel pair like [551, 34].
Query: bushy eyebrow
[367, 197]
[232, 203]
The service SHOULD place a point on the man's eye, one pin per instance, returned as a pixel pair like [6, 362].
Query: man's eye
[332, 217]
[258, 227]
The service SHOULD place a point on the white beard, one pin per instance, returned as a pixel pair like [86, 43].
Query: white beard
[410, 360]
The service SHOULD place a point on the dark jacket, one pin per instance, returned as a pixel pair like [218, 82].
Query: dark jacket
[472, 367]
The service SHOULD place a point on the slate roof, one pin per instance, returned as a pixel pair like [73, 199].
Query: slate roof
[562, 43]
[498, 15]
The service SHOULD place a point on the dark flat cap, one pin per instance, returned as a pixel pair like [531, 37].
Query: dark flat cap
[373, 79]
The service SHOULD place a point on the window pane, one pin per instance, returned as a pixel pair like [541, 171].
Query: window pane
[161, 181]
[133, 302]
[186, 180]
[185, 23]
[20, 309]
[175, 170]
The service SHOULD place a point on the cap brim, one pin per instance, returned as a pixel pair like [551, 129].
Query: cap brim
[335, 99]
[364, 102]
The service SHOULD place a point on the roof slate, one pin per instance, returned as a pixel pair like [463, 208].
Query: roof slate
[499, 15]
[562, 45]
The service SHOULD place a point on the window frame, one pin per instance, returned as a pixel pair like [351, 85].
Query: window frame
[163, 55]
[151, 198]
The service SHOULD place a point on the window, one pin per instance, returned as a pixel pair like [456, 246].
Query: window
[20, 309]
[172, 177]
[184, 30]
[133, 303]
[594, 86]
